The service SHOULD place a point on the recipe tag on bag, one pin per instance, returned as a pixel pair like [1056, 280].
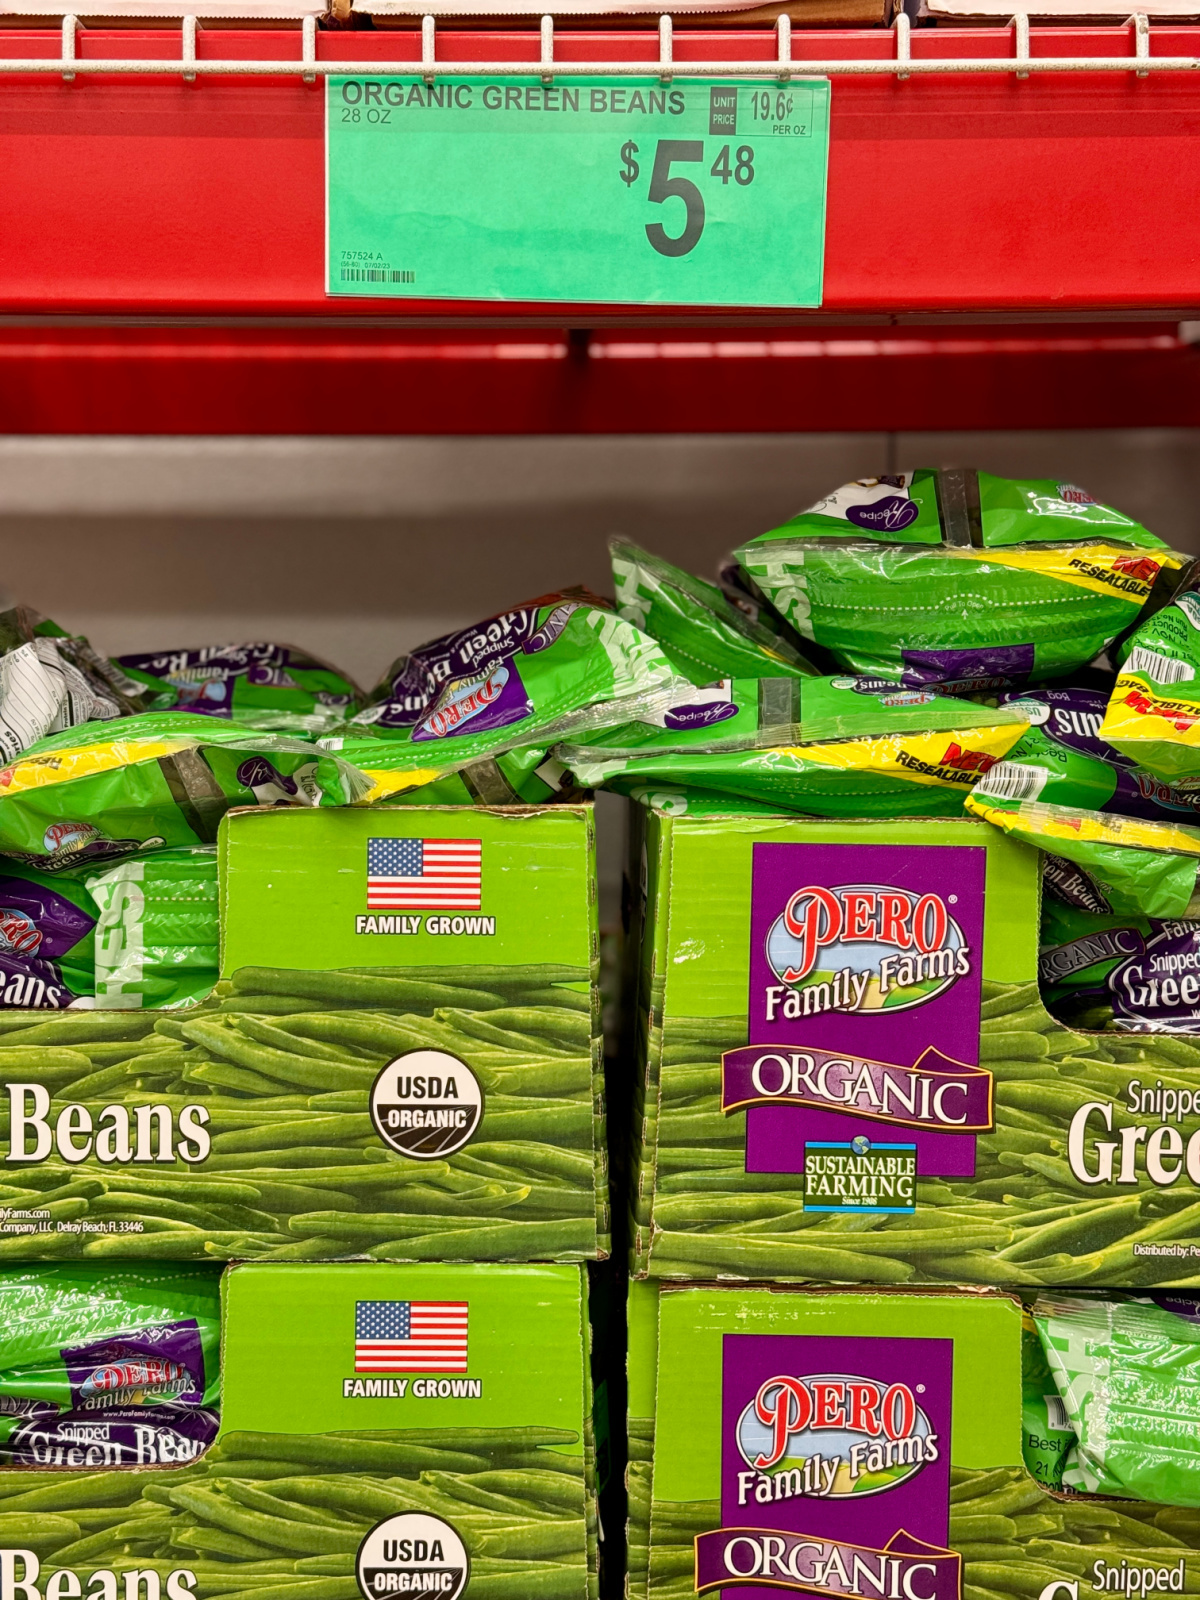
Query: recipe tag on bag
[585, 189]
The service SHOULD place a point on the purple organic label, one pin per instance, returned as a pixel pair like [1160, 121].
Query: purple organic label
[1001, 666]
[144, 1368]
[888, 514]
[834, 1460]
[865, 986]
[421, 678]
[152, 1436]
[1158, 988]
[551, 629]
[494, 698]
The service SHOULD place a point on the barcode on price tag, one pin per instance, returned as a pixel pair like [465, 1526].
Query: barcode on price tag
[579, 189]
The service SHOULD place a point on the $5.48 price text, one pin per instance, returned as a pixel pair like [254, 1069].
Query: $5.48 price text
[676, 164]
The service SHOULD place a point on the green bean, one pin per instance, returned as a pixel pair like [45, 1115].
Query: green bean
[41, 1534]
[500, 1241]
[1008, 999]
[274, 1502]
[286, 1066]
[272, 1135]
[226, 1076]
[547, 1488]
[571, 999]
[83, 1027]
[348, 989]
[531, 1541]
[281, 1039]
[543, 1158]
[1090, 1230]
[272, 1005]
[318, 1589]
[352, 1454]
[501, 979]
[783, 1258]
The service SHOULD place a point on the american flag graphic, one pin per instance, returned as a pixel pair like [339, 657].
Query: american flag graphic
[429, 874]
[410, 1336]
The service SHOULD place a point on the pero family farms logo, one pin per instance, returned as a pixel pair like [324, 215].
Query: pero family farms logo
[835, 1474]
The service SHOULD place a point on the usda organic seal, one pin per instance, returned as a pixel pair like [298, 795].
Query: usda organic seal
[412, 1554]
[426, 1104]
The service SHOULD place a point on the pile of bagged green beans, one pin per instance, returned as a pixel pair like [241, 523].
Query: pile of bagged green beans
[281, 1516]
[1023, 1219]
[283, 1063]
[1014, 1539]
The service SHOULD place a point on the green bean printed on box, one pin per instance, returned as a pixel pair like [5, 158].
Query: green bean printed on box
[328, 1485]
[806, 1145]
[930, 1502]
[424, 1095]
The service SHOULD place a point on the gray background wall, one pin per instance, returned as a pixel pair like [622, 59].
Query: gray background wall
[360, 548]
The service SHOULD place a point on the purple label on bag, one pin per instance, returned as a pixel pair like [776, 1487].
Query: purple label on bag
[888, 514]
[494, 698]
[155, 1436]
[1159, 986]
[865, 989]
[835, 1461]
[204, 679]
[38, 922]
[421, 678]
[701, 716]
[143, 1368]
[31, 984]
[1071, 718]
[1001, 666]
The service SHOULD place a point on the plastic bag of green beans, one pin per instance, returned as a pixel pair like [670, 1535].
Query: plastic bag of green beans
[1134, 973]
[156, 940]
[49, 681]
[1153, 716]
[959, 577]
[550, 669]
[702, 634]
[823, 746]
[159, 780]
[1134, 867]
[81, 1337]
[1046, 1435]
[1062, 760]
[268, 686]
[1128, 1374]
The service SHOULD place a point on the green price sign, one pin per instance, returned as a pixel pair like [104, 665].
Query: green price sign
[584, 189]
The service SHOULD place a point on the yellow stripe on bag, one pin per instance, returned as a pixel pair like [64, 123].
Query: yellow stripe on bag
[1114, 570]
[1137, 711]
[1088, 827]
[389, 783]
[960, 755]
[63, 766]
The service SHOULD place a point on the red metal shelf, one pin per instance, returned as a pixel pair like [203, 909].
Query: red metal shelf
[1075, 193]
[387, 380]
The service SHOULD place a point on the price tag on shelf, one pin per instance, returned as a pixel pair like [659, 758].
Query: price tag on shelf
[584, 189]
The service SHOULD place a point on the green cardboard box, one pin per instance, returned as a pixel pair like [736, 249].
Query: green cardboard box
[848, 1074]
[868, 1443]
[402, 1061]
[641, 1379]
[459, 1463]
